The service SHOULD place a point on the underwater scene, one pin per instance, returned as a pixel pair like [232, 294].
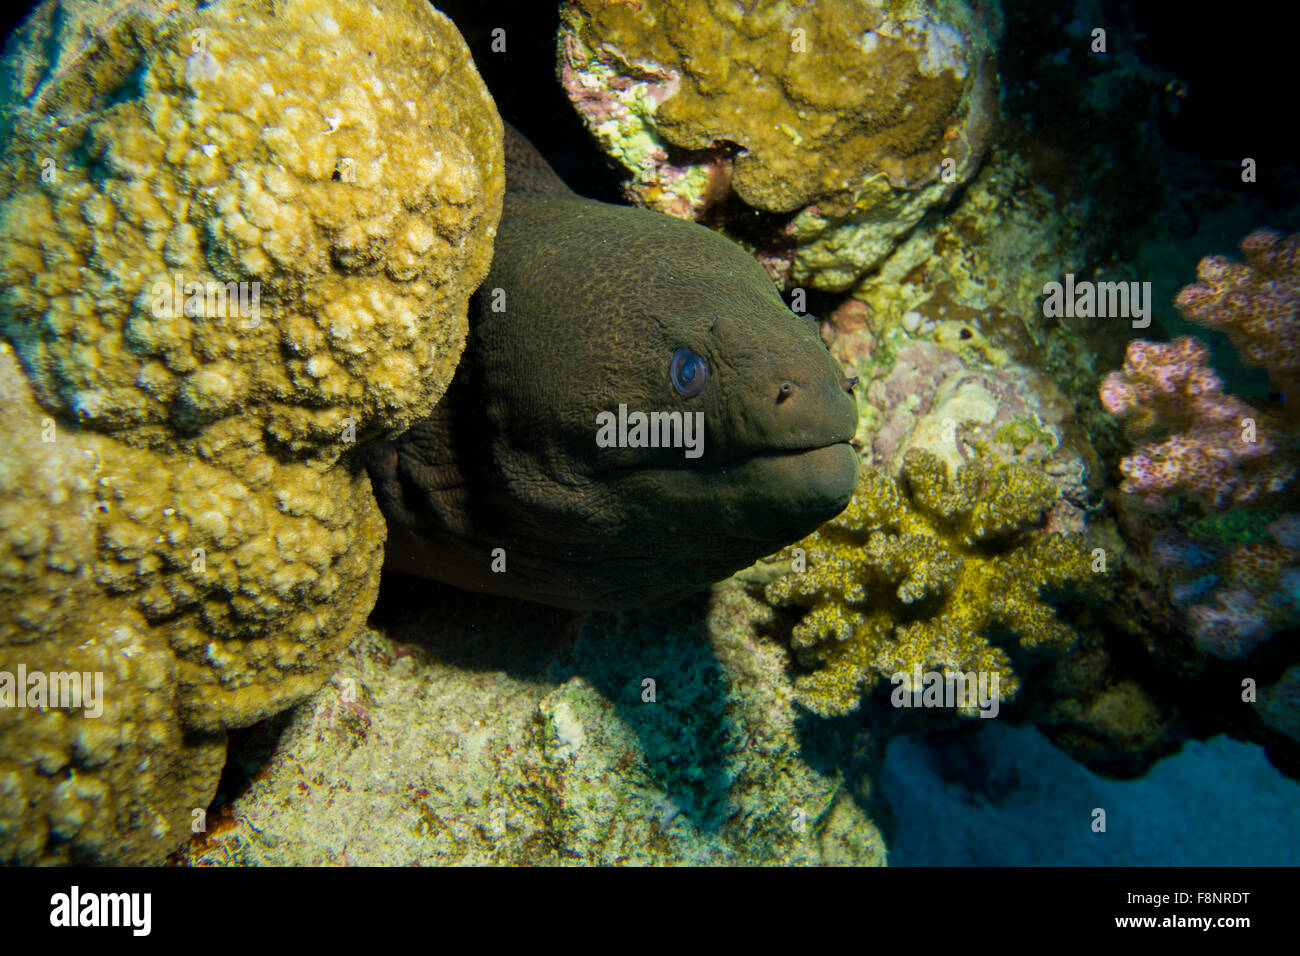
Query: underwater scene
[648, 432]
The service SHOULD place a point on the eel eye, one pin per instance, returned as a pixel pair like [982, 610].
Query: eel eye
[688, 373]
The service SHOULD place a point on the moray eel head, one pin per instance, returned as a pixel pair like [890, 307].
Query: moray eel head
[774, 460]
[637, 415]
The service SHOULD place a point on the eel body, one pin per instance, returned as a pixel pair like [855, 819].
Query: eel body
[554, 468]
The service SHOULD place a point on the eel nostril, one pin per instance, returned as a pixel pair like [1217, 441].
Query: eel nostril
[785, 390]
[850, 383]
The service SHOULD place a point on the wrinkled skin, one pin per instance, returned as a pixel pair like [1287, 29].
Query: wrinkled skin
[596, 300]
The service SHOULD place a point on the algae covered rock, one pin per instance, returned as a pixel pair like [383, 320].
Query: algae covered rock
[237, 241]
[850, 117]
[504, 733]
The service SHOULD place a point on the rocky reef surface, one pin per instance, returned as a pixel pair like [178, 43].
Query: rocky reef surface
[833, 127]
[180, 509]
[480, 731]
[236, 243]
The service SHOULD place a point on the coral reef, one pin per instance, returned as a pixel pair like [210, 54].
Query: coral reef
[851, 118]
[1255, 303]
[499, 739]
[1236, 585]
[1195, 441]
[950, 345]
[959, 408]
[343, 170]
[950, 348]
[78, 786]
[236, 242]
[1222, 468]
[921, 571]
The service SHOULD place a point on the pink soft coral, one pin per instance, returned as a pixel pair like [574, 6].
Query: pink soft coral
[1255, 303]
[1192, 439]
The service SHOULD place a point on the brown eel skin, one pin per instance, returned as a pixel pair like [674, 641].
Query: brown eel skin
[506, 488]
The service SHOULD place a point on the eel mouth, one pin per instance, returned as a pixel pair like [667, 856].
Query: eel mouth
[778, 454]
[770, 454]
[766, 499]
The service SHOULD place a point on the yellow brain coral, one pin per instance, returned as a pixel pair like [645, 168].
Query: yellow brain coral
[920, 572]
[237, 240]
[266, 218]
[857, 114]
[115, 774]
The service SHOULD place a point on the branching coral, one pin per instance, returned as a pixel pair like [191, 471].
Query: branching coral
[1193, 440]
[1255, 303]
[924, 572]
[1201, 445]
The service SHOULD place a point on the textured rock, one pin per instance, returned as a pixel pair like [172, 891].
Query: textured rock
[497, 739]
[854, 116]
[181, 511]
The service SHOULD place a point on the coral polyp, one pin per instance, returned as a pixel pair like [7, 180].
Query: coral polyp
[931, 572]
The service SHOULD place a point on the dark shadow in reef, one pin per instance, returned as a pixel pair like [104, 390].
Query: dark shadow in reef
[475, 631]
[679, 719]
[248, 752]
[658, 668]
[513, 45]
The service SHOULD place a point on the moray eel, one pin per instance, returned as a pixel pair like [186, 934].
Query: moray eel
[525, 481]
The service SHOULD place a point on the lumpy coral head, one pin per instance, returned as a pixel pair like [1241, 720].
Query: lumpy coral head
[266, 219]
[118, 777]
[237, 240]
[857, 115]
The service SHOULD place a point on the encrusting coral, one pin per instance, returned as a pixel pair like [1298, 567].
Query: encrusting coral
[856, 115]
[924, 572]
[237, 241]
